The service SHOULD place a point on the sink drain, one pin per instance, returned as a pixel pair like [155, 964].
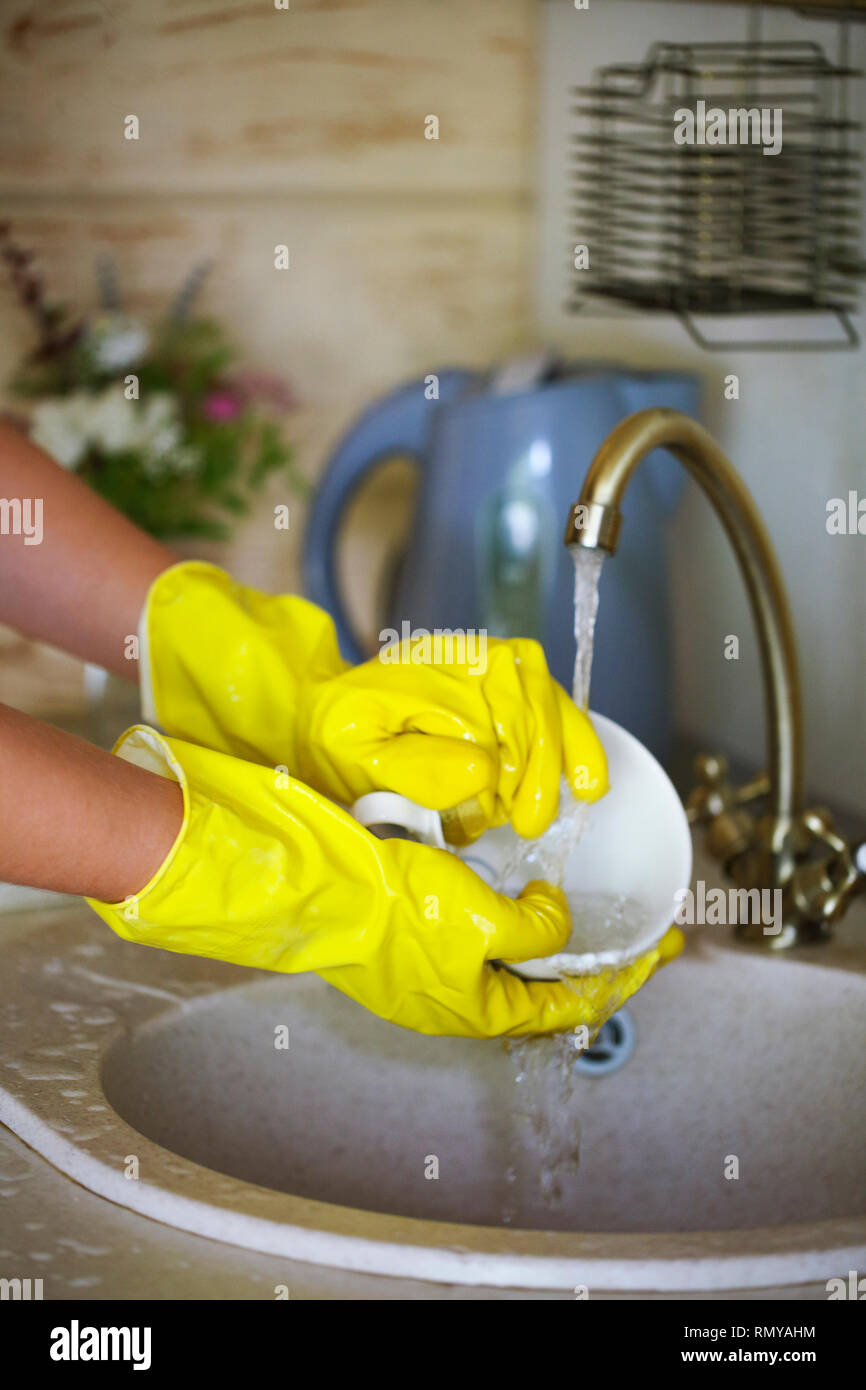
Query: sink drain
[611, 1049]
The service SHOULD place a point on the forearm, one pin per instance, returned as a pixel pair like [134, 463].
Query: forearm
[77, 820]
[82, 586]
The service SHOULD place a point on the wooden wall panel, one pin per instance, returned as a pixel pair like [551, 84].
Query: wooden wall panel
[238, 95]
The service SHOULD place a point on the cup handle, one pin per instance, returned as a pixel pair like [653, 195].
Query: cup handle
[388, 808]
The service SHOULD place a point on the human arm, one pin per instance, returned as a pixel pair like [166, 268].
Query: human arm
[82, 587]
[74, 819]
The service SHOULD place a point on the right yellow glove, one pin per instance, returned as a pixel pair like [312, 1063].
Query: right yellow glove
[261, 677]
[266, 872]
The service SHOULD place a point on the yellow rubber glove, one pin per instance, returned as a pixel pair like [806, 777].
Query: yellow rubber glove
[261, 677]
[276, 876]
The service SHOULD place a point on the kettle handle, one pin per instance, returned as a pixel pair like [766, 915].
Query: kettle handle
[398, 423]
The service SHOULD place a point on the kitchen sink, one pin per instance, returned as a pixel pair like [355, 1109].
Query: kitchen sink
[724, 1153]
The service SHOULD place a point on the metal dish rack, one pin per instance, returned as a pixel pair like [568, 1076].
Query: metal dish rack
[720, 229]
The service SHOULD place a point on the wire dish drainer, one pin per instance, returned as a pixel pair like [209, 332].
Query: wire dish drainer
[720, 228]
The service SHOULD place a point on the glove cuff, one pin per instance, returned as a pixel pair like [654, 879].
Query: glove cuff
[146, 695]
[223, 665]
[250, 877]
[149, 750]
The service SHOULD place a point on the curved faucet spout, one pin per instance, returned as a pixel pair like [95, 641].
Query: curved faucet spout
[595, 521]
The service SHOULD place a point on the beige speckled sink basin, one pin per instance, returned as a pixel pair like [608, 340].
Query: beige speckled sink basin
[321, 1151]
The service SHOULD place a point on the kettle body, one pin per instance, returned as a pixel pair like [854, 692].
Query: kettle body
[500, 469]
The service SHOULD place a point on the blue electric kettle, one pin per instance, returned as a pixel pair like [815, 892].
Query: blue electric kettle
[503, 456]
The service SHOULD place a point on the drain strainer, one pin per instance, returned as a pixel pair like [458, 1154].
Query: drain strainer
[611, 1049]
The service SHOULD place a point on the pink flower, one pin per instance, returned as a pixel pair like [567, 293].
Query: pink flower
[264, 388]
[221, 406]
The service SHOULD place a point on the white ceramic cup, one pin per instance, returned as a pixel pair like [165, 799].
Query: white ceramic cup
[636, 847]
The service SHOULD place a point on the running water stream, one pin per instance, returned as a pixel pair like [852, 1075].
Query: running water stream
[544, 1066]
[587, 573]
[548, 856]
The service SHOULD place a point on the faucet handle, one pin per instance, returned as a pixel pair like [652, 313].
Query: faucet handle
[714, 794]
[824, 884]
[719, 805]
[711, 794]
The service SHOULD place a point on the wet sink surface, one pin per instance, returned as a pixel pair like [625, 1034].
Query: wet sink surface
[323, 1152]
[723, 1079]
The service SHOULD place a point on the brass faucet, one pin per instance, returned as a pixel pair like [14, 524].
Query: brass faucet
[774, 843]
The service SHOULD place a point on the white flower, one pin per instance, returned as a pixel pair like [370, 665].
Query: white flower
[60, 427]
[186, 460]
[113, 425]
[118, 425]
[159, 424]
[115, 341]
[66, 427]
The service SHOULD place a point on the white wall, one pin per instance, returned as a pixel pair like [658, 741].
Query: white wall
[796, 433]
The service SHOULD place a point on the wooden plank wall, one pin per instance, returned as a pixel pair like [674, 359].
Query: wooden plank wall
[262, 126]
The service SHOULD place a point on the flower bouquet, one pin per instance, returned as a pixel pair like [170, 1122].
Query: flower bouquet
[158, 420]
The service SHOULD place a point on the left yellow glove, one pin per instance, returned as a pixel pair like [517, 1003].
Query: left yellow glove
[261, 677]
[266, 872]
